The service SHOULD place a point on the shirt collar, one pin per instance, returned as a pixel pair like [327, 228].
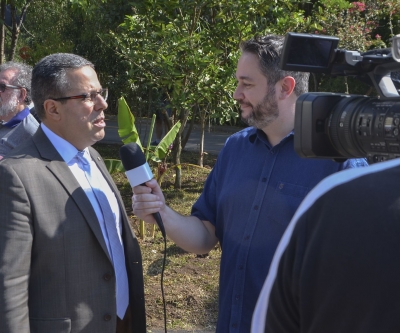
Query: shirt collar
[14, 121]
[64, 148]
[260, 135]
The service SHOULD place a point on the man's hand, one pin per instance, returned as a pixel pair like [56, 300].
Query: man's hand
[147, 200]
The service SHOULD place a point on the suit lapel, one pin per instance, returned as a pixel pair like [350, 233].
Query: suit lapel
[63, 174]
[100, 164]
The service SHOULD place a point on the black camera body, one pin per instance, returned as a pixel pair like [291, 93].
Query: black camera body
[341, 126]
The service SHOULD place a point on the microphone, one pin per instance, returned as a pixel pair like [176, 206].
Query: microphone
[138, 171]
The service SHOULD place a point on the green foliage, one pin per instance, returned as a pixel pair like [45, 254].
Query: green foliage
[126, 124]
[114, 166]
[164, 147]
[128, 133]
[43, 30]
[356, 24]
[188, 51]
[352, 22]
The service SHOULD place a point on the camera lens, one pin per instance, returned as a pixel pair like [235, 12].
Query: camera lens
[345, 119]
[366, 127]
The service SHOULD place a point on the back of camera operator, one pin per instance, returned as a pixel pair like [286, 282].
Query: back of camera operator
[255, 187]
[337, 267]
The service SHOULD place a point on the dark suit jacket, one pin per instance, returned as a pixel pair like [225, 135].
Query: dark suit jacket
[55, 272]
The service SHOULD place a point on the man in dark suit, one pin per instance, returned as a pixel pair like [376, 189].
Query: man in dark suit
[69, 261]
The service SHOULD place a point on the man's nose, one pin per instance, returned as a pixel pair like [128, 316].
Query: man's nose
[237, 94]
[100, 103]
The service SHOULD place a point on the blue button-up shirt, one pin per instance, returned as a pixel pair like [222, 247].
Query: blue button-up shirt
[250, 197]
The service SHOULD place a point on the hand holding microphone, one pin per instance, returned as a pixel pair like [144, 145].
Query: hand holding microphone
[138, 171]
[147, 199]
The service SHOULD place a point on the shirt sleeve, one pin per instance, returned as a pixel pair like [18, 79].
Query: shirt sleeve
[205, 208]
[353, 163]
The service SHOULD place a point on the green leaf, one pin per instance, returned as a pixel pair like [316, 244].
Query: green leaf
[126, 123]
[114, 166]
[163, 147]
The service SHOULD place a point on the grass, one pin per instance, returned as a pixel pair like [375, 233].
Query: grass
[190, 281]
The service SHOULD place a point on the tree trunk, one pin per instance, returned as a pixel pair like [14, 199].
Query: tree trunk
[2, 31]
[186, 135]
[14, 33]
[15, 29]
[177, 149]
[176, 155]
[203, 126]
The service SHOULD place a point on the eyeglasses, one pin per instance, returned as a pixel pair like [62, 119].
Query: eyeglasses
[91, 96]
[3, 87]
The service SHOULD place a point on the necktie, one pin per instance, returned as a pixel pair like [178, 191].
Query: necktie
[116, 249]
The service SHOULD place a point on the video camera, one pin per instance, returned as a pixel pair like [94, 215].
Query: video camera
[341, 126]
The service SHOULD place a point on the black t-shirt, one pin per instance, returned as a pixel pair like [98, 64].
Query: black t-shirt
[340, 265]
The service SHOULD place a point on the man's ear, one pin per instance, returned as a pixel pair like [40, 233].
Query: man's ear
[287, 85]
[22, 95]
[51, 109]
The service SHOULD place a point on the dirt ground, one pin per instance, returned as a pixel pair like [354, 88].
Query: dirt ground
[190, 281]
[190, 284]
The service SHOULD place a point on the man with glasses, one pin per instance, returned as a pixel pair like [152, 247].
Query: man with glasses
[17, 123]
[69, 261]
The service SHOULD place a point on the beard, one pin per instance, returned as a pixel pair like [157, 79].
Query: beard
[265, 112]
[9, 106]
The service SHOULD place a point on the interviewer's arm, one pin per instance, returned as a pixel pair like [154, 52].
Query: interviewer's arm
[188, 232]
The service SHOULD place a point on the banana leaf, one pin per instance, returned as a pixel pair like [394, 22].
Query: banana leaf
[164, 146]
[114, 165]
[126, 124]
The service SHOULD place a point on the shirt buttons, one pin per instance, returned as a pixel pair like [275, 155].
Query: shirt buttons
[255, 207]
[264, 180]
[247, 237]
[281, 186]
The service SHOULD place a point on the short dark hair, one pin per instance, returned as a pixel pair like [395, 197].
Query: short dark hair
[49, 77]
[269, 50]
[22, 78]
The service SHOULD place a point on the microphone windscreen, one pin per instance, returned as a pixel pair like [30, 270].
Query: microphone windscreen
[131, 156]
[138, 171]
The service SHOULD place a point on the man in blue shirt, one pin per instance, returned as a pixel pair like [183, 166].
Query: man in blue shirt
[17, 123]
[255, 187]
